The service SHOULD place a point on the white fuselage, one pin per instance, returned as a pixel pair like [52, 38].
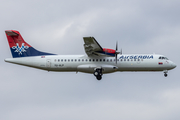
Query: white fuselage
[82, 63]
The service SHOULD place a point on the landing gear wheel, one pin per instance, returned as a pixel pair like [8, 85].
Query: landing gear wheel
[165, 73]
[98, 73]
[99, 77]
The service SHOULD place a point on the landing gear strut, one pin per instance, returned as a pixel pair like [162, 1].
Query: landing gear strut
[98, 73]
[165, 73]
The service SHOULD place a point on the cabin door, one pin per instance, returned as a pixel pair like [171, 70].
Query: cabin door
[48, 63]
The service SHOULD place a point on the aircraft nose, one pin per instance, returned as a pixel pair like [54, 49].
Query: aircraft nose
[173, 65]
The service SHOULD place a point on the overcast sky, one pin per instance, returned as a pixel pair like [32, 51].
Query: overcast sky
[58, 26]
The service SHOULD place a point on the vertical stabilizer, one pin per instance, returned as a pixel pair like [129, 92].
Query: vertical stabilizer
[19, 48]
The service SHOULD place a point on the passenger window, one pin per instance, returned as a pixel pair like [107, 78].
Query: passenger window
[82, 59]
[96, 60]
[61, 60]
[90, 60]
[127, 59]
[104, 60]
[72, 60]
[75, 60]
[93, 60]
[107, 60]
[124, 59]
[65, 60]
[79, 60]
[121, 59]
[68, 60]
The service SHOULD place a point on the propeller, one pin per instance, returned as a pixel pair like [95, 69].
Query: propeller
[116, 53]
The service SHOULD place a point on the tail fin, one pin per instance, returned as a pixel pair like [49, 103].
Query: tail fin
[19, 48]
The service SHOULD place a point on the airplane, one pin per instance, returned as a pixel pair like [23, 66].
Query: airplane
[98, 60]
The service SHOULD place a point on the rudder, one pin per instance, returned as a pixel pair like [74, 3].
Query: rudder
[19, 48]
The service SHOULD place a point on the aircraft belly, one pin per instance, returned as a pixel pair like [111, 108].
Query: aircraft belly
[141, 66]
[90, 68]
[86, 68]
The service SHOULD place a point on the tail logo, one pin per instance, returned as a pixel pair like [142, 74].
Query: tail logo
[20, 49]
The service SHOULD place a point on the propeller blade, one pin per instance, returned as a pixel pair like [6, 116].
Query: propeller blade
[116, 51]
[117, 46]
[116, 58]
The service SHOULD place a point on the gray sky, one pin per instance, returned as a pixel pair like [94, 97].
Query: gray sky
[58, 26]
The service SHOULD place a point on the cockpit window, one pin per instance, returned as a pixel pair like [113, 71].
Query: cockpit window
[166, 58]
[163, 58]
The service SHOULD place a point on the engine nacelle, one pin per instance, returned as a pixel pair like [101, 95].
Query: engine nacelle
[90, 68]
[110, 51]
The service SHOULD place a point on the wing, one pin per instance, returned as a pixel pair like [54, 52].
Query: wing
[92, 47]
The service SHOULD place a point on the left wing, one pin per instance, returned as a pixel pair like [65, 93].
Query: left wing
[92, 47]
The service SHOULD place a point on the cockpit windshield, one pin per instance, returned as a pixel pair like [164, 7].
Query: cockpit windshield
[163, 58]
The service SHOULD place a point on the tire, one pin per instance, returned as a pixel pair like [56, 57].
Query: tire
[99, 77]
[96, 73]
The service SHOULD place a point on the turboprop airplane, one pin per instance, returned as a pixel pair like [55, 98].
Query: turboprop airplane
[98, 60]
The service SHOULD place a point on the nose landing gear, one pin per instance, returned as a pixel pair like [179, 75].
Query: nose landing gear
[98, 73]
[165, 73]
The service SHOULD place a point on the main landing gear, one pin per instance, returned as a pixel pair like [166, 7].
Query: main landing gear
[98, 73]
[165, 73]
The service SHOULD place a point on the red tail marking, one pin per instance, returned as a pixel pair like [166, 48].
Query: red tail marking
[14, 37]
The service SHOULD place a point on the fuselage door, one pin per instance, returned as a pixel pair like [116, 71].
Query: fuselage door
[48, 63]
